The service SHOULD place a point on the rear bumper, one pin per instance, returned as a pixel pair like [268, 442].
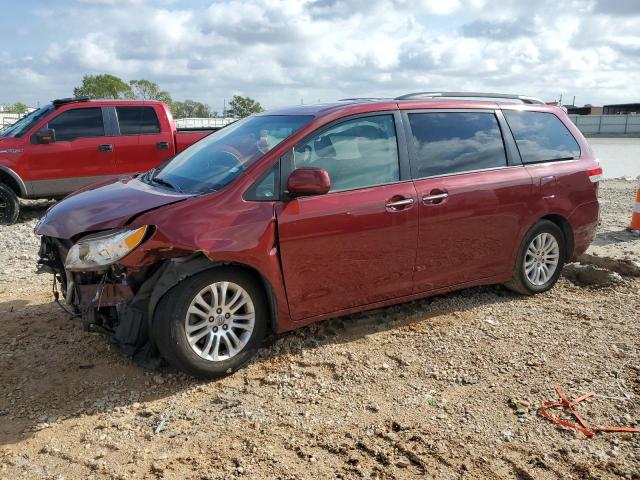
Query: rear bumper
[584, 221]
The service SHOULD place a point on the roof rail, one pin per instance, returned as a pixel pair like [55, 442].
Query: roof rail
[522, 98]
[63, 101]
[361, 99]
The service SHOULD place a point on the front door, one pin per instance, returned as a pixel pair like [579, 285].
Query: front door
[355, 245]
[473, 202]
[81, 154]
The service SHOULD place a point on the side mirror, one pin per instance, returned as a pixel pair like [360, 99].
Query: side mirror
[308, 181]
[45, 136]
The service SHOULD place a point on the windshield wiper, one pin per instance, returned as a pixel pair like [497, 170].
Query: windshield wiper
[167, 183]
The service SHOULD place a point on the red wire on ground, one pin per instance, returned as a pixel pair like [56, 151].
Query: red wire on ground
[582, 425]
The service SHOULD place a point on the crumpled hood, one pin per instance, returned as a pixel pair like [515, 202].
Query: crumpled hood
[103, 206]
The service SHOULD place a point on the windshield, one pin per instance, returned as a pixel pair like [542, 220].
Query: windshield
[23, 125]
[218, 159]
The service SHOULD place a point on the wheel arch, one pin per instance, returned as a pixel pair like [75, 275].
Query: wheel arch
[13, 181]
[176, 270]
[567, 230]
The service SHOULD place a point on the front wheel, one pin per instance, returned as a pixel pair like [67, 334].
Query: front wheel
[540, 259]
[212, 323]
[9, 205]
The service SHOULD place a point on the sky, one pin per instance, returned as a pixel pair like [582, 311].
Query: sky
[284, 52]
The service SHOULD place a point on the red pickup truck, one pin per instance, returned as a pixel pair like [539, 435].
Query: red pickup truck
[73, 142]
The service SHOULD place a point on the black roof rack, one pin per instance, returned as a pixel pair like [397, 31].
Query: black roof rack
[418, 95]
[64, 101]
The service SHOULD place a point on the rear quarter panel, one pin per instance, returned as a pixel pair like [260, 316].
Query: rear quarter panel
[571, 194]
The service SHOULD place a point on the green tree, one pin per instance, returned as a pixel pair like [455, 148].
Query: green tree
[17, 107]
[241, 107]
[147, 90]
[190, 109]
[103, 86]
[20, 108]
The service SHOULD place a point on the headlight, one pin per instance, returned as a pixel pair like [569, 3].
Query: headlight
[103, 249]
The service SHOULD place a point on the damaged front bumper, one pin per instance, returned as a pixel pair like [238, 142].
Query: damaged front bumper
[110, 300]
[116, 301]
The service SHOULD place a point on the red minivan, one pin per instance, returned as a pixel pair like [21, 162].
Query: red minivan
[311, 212]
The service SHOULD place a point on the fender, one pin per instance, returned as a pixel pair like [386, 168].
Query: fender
[178, 269]
[18, 180]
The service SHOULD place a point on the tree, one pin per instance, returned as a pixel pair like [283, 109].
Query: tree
[241, 107]
[190, 109]
[147, 90]
[103, 86]
[17, 107]
[20, 108]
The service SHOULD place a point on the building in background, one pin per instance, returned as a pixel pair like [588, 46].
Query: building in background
[622, 109]
[586, 110]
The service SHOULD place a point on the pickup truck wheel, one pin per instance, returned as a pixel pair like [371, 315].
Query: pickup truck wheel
[540, 259]
[9, 205]
[211, 324]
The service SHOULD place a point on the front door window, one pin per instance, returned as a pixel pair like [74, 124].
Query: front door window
[357, 153]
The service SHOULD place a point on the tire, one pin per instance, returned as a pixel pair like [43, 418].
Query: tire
[224, 354]
[9, 205]
[522, 281]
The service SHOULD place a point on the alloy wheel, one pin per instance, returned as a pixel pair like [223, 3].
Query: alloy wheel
[541, 259]
[219, 321]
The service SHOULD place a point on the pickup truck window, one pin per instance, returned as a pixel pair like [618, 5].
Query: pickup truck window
[137, 120]
[25, 124]
[218, 159]
[78, 123]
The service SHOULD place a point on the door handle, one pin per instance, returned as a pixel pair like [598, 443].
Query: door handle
[397, 205]
[436, 197]
[162, 145]
[105, 147]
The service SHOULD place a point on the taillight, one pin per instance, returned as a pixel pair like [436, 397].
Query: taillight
[595, 174]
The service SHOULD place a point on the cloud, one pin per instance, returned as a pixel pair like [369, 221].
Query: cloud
[280, 51]
[499, 30]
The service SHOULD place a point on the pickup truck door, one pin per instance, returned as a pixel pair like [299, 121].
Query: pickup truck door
[82, 153]
[355, 245]
[142, 140]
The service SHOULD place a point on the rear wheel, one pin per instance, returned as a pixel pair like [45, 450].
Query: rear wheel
[540, 259]
[212, 323]
[9, 205]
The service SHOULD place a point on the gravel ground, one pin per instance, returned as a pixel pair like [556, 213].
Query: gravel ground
[420, 389]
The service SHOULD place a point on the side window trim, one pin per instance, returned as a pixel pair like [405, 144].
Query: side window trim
[111, 128]
[287, 165]
[511, 148]
[412, 150]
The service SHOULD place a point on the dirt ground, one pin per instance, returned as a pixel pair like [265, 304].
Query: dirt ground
[417, 390]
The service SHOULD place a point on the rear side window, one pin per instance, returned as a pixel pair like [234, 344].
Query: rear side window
[541, 136]
[78, 123]
[137, 120]
[455, 142]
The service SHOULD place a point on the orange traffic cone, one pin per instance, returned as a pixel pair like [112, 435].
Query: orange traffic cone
[634, 227]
